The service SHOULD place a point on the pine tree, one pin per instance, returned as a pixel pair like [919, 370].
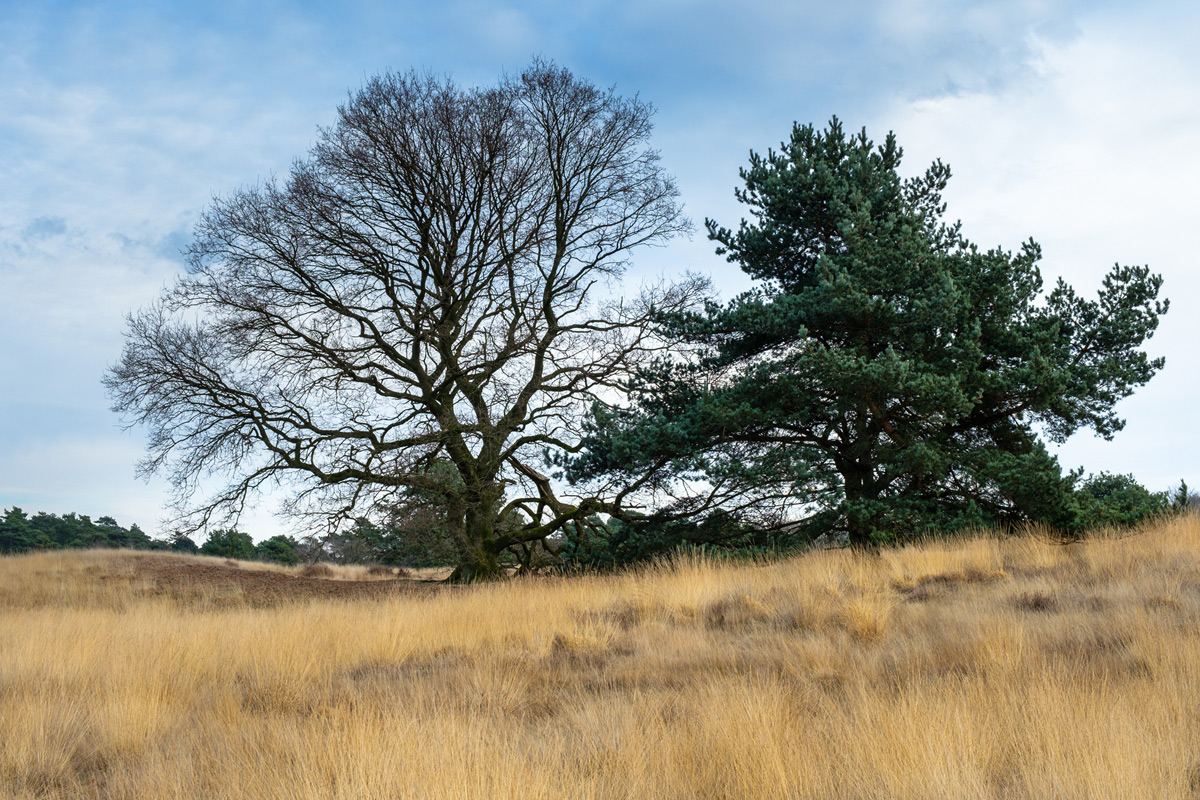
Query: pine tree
[886, 376]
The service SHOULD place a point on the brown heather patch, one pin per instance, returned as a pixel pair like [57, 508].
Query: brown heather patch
[1036, 601]
[99, 578]
[316, 571]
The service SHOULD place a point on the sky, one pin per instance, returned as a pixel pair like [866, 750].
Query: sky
[1074, 123]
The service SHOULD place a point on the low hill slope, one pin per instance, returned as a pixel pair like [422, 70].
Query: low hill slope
[984, 668]
[99, 577]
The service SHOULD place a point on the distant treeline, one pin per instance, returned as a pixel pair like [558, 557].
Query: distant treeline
[415, 534]
[416, 545]
[21, 533]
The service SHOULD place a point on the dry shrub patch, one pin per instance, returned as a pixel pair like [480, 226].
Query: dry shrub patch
[317, 571]
[977, 668]
[1036, 601]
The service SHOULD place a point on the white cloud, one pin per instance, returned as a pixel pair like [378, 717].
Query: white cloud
[1095, 154]
[81, 474]
[76, 474]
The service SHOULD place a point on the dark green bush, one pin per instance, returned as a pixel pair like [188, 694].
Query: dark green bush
[20, 532]
[616, 543]
[229, 544]
[1107, 500]
[279, 549]
[183, 544]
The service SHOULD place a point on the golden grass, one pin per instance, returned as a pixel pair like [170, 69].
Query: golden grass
[981, 668]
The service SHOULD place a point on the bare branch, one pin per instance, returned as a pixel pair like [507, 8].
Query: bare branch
[425, 286]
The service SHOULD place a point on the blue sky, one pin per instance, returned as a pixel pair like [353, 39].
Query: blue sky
[1075, 123]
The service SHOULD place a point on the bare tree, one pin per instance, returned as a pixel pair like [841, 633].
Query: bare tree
[427, 287]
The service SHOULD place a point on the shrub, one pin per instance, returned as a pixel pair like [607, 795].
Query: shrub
[278, 549]
[1117, 501]
[229, 544]
[183, 544]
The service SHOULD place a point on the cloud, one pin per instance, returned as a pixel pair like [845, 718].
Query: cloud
[75, 473]
[168, 248]
[1096, 154]
[172, 246]
[44, 228]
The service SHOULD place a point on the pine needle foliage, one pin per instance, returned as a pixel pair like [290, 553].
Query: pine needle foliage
[886, 378]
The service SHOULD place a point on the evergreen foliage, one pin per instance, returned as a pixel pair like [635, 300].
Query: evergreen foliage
[399, 541]
[1119, 501]
[19, 532]
[886, 378]
[229, 544]
[618, 543]
[1183, 499]
[278, 549]
[184, 544]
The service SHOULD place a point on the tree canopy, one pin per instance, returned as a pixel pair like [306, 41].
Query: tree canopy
[427, 287]
[20, 532]
[1119, 501]
[886, 377]
[229, 544]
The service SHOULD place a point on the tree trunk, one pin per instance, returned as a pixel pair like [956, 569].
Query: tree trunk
[858, 531]
[481, 565]
[477, 559]
[860, 523]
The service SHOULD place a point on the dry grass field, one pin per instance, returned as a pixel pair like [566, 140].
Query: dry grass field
[979, 668]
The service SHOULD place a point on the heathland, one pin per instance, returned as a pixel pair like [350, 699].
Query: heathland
[982, 667]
